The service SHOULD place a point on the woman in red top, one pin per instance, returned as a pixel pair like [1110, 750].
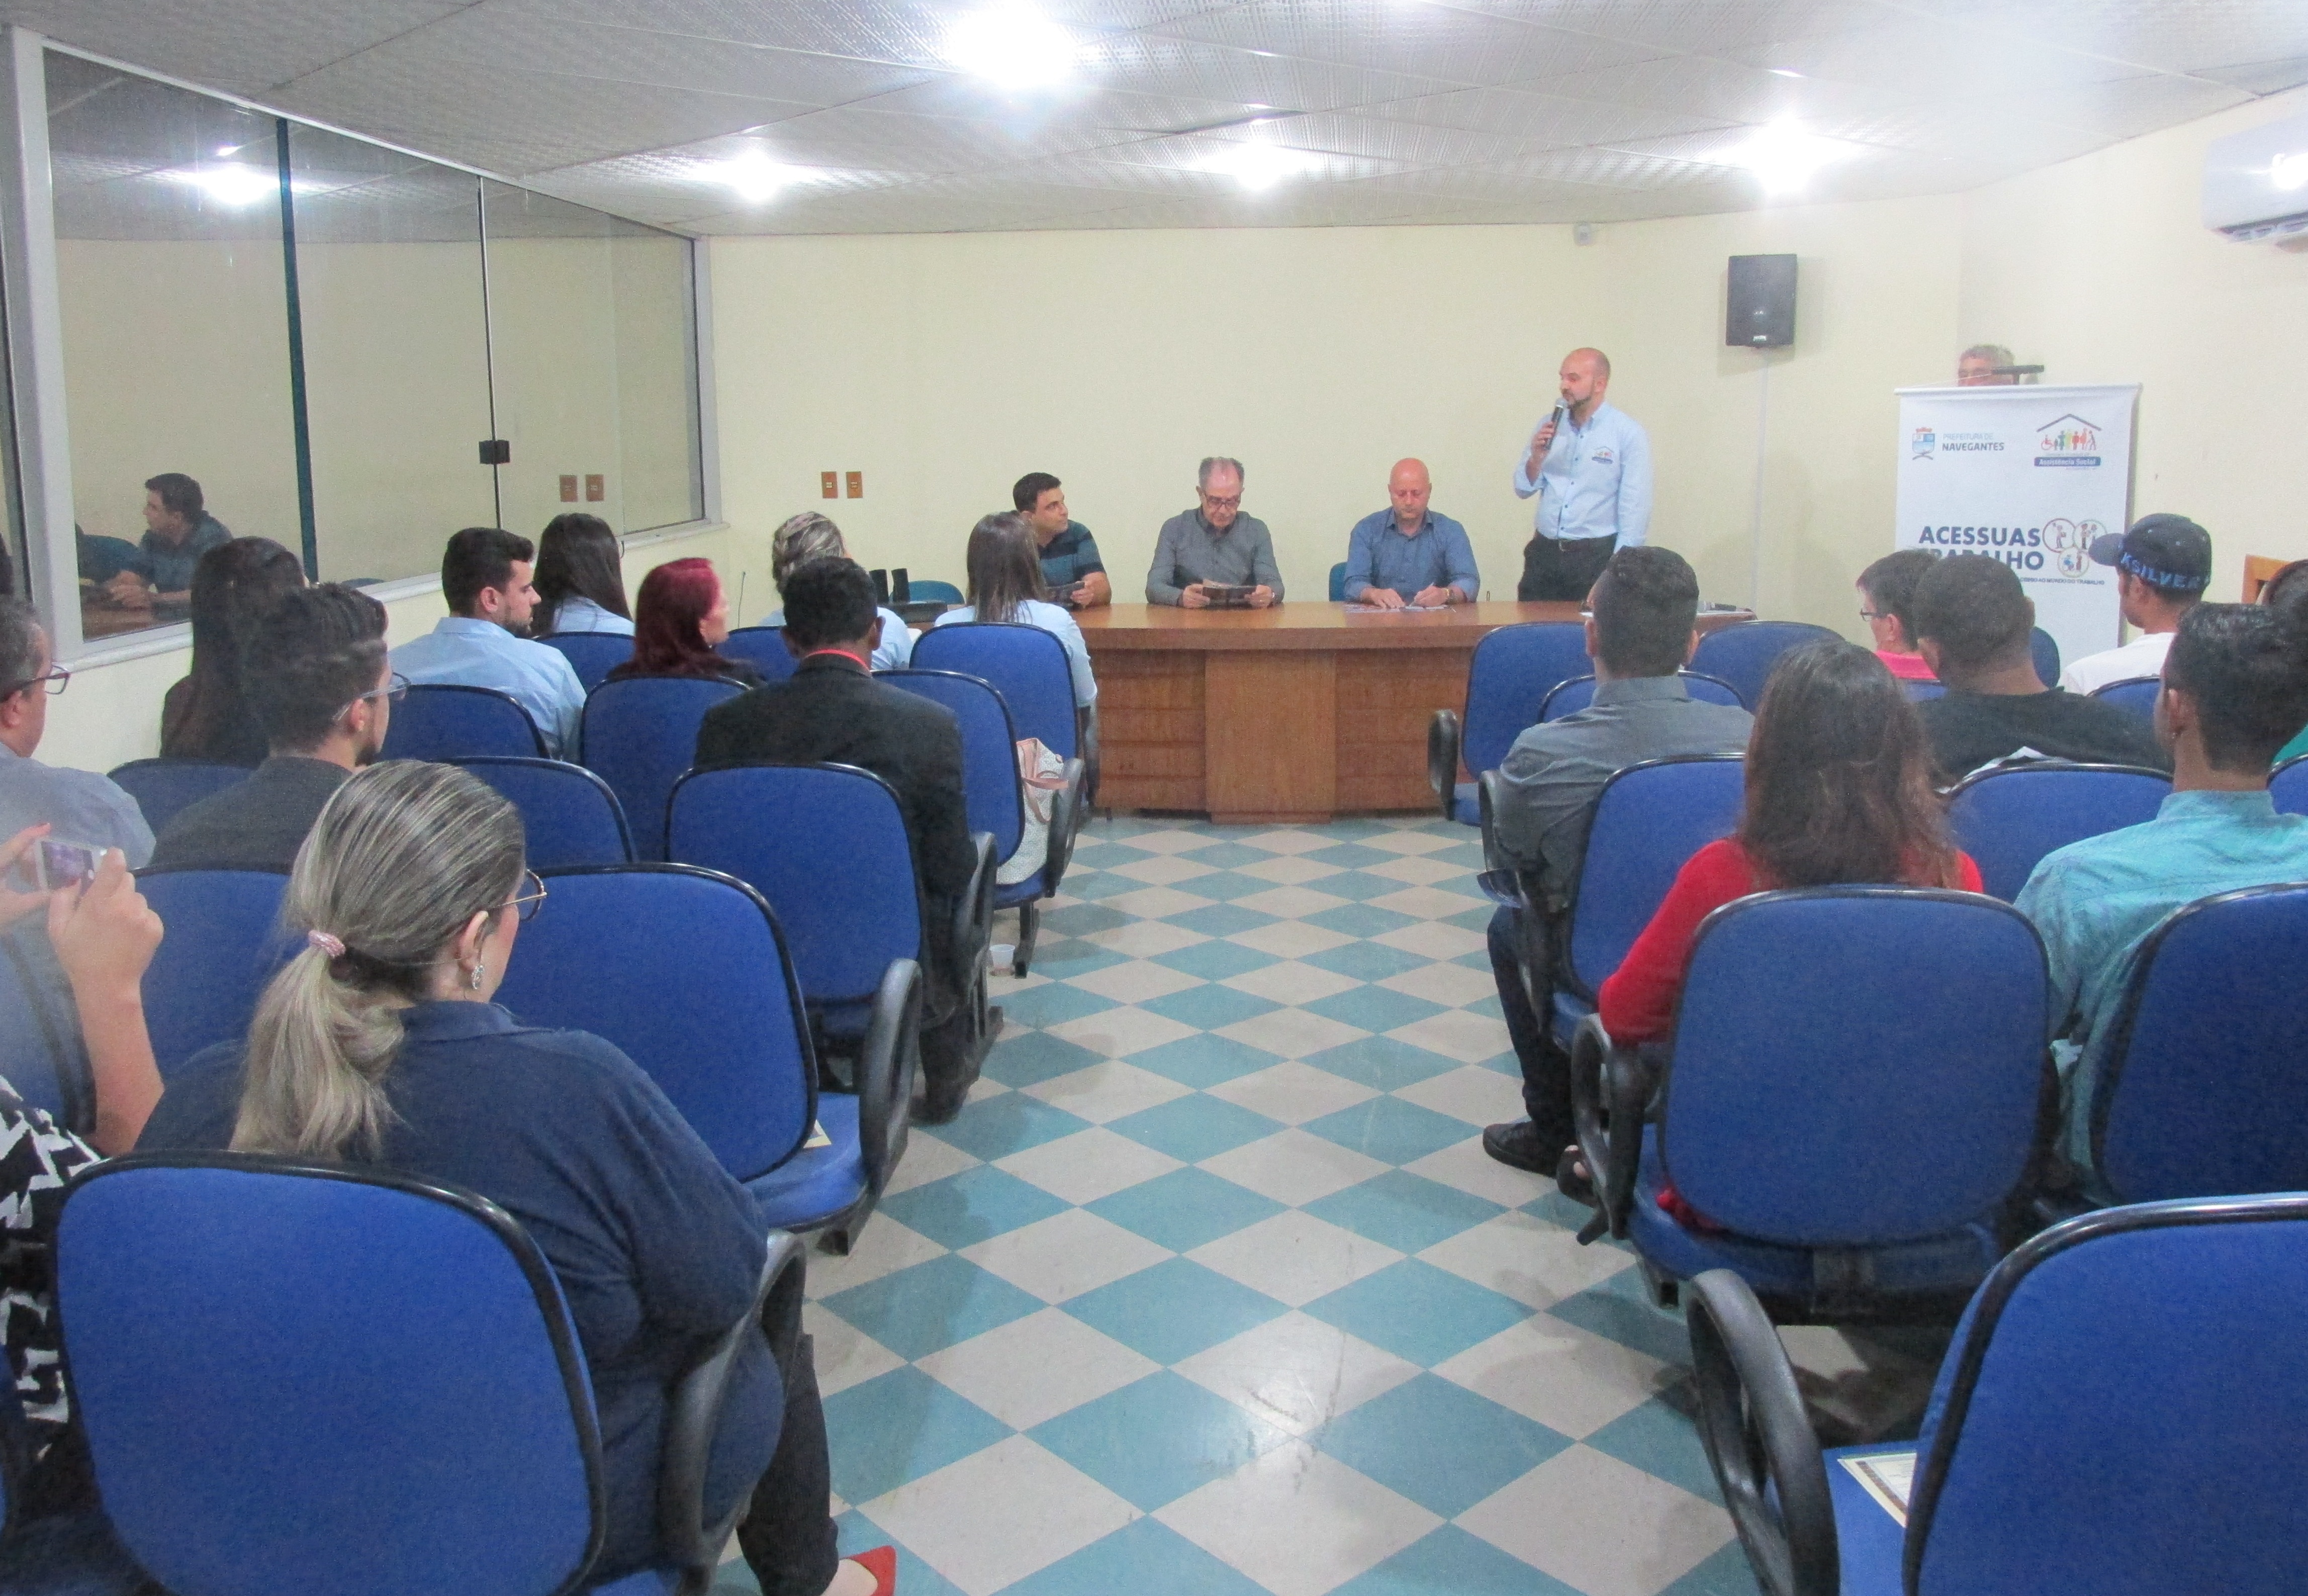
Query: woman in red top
[681, 618]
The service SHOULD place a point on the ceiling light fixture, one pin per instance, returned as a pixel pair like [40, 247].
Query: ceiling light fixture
[1258, 165]
[1012, 46]
[1783, 157]
[755, 178]
[231, 185]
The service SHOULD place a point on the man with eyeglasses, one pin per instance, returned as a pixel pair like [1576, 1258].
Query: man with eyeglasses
[316, 671]
[1214, 546]
[75, 805]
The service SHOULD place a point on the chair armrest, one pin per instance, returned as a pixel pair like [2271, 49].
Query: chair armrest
[1767, 1461]
[886, 1066]
[692, 1415]
[1442, 758]
[1068, 805]
[973, 913]
[1611, 1090]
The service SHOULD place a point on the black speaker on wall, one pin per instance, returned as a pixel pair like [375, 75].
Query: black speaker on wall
[1762, 312]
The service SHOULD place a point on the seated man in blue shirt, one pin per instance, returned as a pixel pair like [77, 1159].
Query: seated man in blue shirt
[485, 576]
[1072, 568]
[1408, 554]
[2235, 686]
[177, 531]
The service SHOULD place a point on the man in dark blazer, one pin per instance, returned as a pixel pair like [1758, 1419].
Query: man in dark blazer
[832, 712]
[315, 669]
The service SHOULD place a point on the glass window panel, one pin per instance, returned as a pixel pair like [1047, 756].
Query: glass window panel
[657, 376]
[174, 304]
[396, 354]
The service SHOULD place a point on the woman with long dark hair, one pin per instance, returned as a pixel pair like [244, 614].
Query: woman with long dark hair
[206, 715]
[580, 580]
[684, 618]
[1005, 585]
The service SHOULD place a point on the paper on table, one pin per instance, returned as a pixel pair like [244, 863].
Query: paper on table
[1888, 1476]
[1398, 609]
[817, 1137]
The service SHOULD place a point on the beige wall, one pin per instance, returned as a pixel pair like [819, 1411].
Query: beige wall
[2100, 270]
[945, 368]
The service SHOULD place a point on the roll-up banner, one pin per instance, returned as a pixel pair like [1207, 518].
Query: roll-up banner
[2031, 476]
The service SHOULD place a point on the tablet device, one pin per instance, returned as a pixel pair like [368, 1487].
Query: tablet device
[1226, 595]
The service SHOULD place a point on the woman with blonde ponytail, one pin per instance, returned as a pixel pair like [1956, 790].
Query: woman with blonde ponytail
[379, 1043]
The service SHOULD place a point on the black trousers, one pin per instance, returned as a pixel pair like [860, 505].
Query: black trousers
[788, 1537]
[1553, 571]
[1545, 1066]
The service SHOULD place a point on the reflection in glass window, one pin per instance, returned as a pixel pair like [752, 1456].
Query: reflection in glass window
[174, 305]
[396, 354]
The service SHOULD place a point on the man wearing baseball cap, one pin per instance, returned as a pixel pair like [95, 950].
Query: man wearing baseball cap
[2162, 566]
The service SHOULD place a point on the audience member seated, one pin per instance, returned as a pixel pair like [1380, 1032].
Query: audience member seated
[1005, 585]
[1887, 603]
[1972, 623]
[324, 689]
[832, 711]
[379, 1043]
[483, 641]
[2235, 686]
[1071, 565]
[807, 536]
[684, 617]
[103, 936]
[1407, 554]
[2163, 565]
[207, 715]
[1839, 792]
[581, 578]
[178, 531]
[2287, 593]
[80, 806]
[1214, 544]
[1640, 632]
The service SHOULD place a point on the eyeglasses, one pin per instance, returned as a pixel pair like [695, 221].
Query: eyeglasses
[1871, 615]
[56, 676]
[392, 692]
[528, 903]
[1210, 503]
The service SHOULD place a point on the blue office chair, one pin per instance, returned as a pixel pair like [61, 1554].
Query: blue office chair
[1922, 692]
[1568, 698]
[1338, 583]
[928, 590]
[2114, 1416]
[765, 648]
[989, 775]
[1744, 655]
[266, 1417]
[1853, 1133]
[568, 815]
[223, 946]
[1025, 664]
[2288, 786]
[165, 787]
[2135, 695]
[2009, 818]
[686, 971]
[641, 733]
[1511, 672]
[446, 721]
[2044, 652]
[2201, 1088]
[827, 846]
[591, 655]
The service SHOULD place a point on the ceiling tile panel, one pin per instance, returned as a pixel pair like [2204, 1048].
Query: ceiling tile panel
[242, 47]
[1429, 40]
[2175, 36]
[1538, 121]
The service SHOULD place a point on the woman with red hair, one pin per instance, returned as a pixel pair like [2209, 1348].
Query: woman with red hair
[680, 619]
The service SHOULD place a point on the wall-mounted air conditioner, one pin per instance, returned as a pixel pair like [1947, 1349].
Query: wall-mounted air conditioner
[2256, 182]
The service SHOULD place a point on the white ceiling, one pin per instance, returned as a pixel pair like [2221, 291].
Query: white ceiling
[1417, 110]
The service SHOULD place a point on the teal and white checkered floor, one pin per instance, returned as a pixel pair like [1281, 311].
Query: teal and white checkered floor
[1210, 1288]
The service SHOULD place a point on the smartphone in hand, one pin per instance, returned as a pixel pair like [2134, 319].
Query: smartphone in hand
[57, 864]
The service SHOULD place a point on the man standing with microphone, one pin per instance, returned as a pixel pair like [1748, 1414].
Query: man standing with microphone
[1590, 466]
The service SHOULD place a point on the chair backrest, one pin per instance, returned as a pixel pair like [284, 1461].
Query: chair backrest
[1918, 692]
[275, 1364]
[1885, 1044]
[568, 815]
[2117, 1373]
[641, 733]
[162, 788]
[685, 971]
[591, 655]
[929, 590]
[1745, 654]
[2044, 650]
[2009, 818]
[1338, 583]
[1648, 820]
[2135, 695]
[989, 751]
[2202, 1089]
[1026, 665]
[449, 720]
[826, 844]
[223, 945]
[1508, 680]
[2288, 786]
[1568, 698]
[763, 647]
